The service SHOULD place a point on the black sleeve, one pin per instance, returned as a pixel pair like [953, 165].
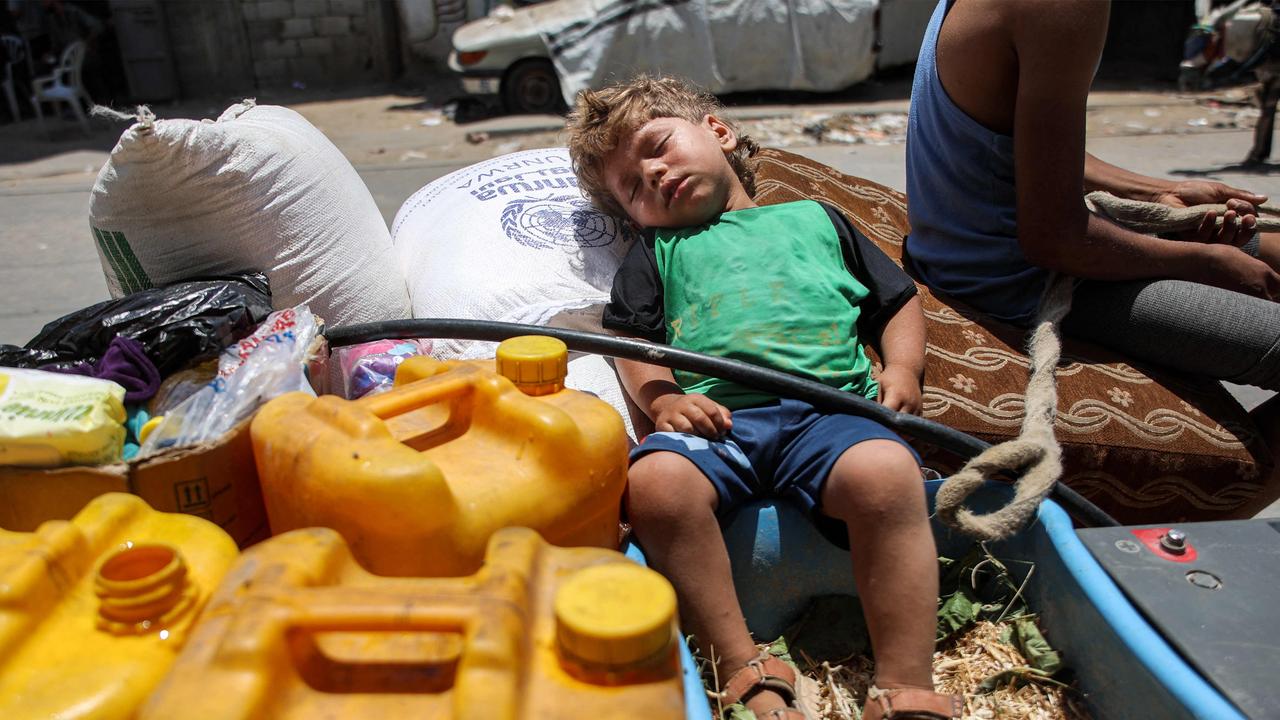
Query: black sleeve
[890, 287]
[636, 302]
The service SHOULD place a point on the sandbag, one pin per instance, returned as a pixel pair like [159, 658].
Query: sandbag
[259, 189]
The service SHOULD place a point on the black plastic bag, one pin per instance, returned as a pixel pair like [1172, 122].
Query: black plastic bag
[176, 324]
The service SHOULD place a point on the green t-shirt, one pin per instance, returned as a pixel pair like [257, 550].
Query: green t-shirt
[767, 285]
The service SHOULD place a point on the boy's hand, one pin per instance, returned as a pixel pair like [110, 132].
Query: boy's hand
[899, 390]
[694, 413]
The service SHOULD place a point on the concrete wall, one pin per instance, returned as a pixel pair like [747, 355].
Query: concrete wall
[223, 47]
[209, 50]
[329, 43]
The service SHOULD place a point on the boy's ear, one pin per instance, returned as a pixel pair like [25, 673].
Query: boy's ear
[724, 134]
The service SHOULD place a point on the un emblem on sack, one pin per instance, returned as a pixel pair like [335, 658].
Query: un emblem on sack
[560, 221]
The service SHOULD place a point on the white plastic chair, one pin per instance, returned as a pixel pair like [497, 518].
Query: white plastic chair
[15, 53]
[64, 85]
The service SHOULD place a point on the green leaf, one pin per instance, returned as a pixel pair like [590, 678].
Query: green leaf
[958, 612]
[778, 648]
[1035, 648]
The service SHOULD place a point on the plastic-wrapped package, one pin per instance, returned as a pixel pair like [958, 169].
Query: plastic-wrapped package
[49, 419]
[269, 362]
[182, 385]
[175, 324]
[371, 367]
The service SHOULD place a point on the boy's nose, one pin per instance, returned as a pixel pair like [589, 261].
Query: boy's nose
[654, 170]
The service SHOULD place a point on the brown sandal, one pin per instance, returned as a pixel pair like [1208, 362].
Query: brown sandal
[766, 672]
[911, 704]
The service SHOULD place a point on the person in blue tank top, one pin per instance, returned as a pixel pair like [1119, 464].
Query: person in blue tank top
[996, 165]
[793, 287]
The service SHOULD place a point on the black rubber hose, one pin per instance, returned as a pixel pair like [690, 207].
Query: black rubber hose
[772, 381]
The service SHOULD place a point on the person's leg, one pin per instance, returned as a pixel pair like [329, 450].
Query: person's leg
[672, 509]
[863, 475]
[1185, 326]
[875, 487]
[1268, 249]
[1268, 94]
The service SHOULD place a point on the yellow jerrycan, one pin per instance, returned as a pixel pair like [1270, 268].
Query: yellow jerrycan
[94, 610]
[299, 630]
[417, 478]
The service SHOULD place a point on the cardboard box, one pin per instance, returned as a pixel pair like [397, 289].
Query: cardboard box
[217, 481]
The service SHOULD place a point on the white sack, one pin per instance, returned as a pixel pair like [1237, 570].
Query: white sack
[259, 189]
[513, 240]
[508, 239]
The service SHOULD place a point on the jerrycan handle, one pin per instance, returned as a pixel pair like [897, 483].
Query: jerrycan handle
[536, 365]
[454, 392]
[474, 653]
[451, 386]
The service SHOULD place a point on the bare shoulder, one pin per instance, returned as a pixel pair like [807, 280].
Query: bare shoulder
[977, 61]
[1056, 27]
[1059, 44]
[990, 49]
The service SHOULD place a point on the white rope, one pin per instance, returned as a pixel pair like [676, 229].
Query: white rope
[1150, 218]
[142, 114]
[1034, 453]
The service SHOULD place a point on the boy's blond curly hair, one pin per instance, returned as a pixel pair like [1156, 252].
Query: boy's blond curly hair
[601, 118]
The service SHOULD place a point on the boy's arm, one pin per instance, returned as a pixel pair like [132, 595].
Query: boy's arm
[635, 310]
[654, 389]
[902, 349]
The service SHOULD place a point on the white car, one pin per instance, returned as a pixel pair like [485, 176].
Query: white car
[537, 58]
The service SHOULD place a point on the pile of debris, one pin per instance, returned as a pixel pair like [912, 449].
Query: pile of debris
[829, 129]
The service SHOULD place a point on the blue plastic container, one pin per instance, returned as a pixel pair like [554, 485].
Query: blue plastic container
[1125, 668]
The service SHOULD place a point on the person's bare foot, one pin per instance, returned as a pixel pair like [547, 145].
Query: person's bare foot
[764, 701]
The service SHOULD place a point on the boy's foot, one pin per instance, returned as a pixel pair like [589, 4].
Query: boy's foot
[767, 686]
[910, 704]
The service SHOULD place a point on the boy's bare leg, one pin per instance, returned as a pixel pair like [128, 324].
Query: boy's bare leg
[671, 506]
[875, 487]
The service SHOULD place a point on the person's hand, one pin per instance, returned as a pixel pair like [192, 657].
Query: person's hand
[1236, 229]
[1238, 222]
[899, 390]
[1232, 269]
[1205, 192]
[693, 413]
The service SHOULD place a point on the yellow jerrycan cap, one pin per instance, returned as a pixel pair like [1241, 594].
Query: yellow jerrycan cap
[535, 363]
[615, 615]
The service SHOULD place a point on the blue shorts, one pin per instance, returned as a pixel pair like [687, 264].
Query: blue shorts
[781, 450]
